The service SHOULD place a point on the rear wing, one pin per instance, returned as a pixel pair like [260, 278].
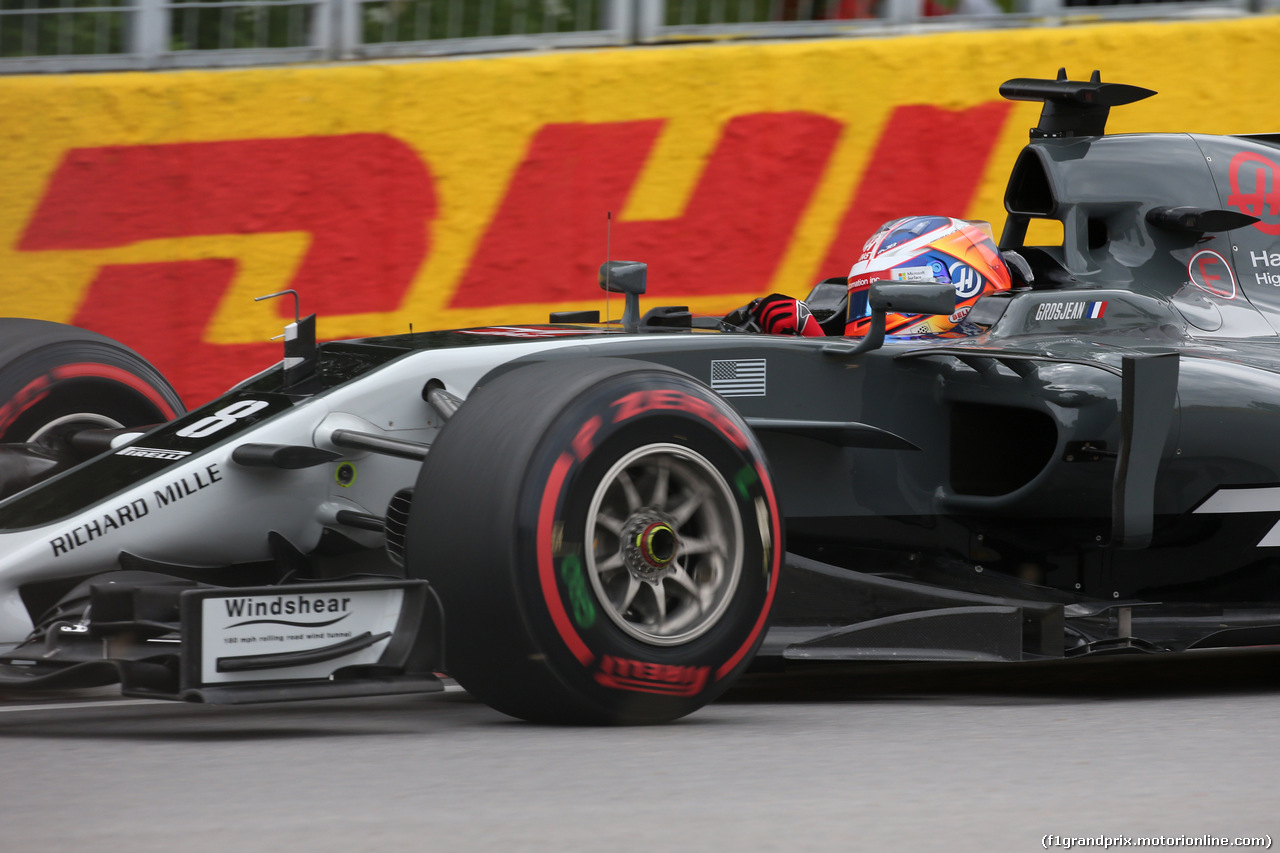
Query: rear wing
[1072, 107]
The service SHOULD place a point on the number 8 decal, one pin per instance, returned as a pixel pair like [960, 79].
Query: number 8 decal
[222, 419]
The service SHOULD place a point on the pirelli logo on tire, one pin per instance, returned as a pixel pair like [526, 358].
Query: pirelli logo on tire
[646, 677]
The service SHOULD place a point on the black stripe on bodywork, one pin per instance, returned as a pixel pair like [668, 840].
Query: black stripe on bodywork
[112, 473]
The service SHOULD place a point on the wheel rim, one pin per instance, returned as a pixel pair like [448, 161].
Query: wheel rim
[88, 419]
[666, 544]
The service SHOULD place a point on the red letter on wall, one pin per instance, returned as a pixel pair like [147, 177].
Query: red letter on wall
[929, 162]
[548, 237]
[365, 199]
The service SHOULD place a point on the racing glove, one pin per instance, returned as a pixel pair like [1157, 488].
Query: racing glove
[777, 314]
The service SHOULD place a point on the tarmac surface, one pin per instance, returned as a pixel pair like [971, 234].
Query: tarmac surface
[916, 759]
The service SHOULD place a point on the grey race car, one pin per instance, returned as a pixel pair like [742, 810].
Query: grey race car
[584, 522]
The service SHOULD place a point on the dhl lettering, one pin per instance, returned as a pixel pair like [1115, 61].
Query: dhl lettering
[645, 677]
[550, 224]
[366, 202]
[364, 199]
[908, 174]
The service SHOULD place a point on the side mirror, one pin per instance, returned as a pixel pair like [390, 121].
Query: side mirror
[623, 277]
[626, 277]
[900, 298]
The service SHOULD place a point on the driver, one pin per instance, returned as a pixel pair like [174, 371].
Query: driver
[927, 249]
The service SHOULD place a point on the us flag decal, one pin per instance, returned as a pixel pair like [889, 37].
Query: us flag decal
[738, 378]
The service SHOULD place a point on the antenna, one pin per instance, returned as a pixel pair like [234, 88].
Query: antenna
[300, 351]
[297, 302]
[608, 256]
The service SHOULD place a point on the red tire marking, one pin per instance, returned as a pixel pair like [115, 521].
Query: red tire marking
[666, 399]
[649, 677]
[728, 666]
[551, 594]
[546, 571]
[37, 389]
[584, 441]
[88, 369]
[32, 393]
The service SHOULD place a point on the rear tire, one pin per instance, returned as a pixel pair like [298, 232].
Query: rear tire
[605, 541]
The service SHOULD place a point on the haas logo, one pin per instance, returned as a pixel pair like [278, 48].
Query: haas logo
[1260, 199]
[966, 279]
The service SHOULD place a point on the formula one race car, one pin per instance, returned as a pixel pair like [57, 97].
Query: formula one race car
[584, 522]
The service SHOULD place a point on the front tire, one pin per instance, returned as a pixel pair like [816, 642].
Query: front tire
[54, 376]
[605, 540]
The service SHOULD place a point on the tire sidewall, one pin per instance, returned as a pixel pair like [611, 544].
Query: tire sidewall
[623, 676]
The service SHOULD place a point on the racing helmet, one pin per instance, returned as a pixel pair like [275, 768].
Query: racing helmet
[927, 249]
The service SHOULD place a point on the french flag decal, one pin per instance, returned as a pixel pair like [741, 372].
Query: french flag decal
[1095, 310]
